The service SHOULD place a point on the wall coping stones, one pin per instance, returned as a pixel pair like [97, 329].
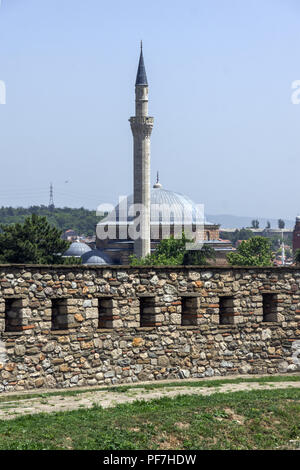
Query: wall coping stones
[76, 267]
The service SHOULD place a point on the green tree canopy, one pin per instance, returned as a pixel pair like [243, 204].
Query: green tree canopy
[82, 221]
[242, 234]
[172, 252]
[35, 241]
[253, 252]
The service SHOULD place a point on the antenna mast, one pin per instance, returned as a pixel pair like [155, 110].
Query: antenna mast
[51, 200]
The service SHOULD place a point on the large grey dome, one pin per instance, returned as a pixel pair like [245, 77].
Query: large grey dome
[95, 257]
[77, 249]
[166, 206]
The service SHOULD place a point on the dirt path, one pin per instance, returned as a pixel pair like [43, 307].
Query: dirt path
[48, 404]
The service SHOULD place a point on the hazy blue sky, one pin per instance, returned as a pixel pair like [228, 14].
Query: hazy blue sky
[220, 74]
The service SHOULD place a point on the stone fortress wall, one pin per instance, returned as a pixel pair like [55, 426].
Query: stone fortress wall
[66, 326]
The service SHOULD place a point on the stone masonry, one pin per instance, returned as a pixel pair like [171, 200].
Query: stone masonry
[66, 326]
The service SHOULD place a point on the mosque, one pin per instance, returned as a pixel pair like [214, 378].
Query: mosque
[157, 213]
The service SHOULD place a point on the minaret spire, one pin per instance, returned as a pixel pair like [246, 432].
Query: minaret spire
[141, 126]
[141, 77]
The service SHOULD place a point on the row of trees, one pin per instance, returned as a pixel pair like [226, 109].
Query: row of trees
[255, 224]
[82, 221]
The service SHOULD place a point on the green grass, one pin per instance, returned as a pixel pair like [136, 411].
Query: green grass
[260, 419]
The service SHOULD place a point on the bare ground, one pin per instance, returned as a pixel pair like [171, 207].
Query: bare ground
[25, 405]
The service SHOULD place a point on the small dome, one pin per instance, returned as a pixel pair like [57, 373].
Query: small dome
[298, 218]
[96, 257]
[77, 249]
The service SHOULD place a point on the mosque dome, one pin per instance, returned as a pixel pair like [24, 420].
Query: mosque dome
[77, 249]
[166, 207]
[95, 257]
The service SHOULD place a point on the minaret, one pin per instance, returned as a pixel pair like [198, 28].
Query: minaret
[141, 126]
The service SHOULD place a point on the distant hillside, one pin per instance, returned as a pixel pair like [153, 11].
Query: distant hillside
[234, 221]
[83, 221]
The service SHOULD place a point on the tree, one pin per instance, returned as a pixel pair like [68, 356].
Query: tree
[199, 257]
[254, 252]
[297, 256]
[172, 252]
[268, 225]
[275, 242]
[255, 224]
[242, 234]
[281, 224]
[35, 242]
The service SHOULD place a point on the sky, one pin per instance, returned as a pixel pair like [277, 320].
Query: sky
[220, 76]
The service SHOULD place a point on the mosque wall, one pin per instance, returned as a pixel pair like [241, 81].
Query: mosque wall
[119, 249]
[67, 326]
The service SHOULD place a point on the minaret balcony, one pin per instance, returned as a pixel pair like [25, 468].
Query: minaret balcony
[141, 125]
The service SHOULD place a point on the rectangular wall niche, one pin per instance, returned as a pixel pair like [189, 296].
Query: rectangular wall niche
[226, 311]
[14, 314]
[59, 314]
[147, 311]
[269, 307]
[106, 313]
[189, 310]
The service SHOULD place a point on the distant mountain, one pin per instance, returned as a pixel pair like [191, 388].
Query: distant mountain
[235, 221]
